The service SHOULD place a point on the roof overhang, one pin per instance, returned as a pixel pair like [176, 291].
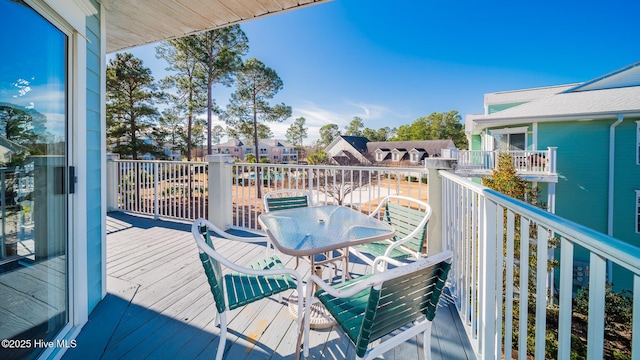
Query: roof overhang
[132, 23]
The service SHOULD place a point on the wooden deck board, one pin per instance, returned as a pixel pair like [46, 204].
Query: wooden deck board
[159, 305]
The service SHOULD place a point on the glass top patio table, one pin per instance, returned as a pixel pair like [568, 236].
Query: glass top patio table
[313, 230]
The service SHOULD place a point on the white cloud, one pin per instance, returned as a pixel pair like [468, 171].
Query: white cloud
[371, 111]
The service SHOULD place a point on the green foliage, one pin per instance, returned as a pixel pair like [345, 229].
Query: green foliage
[255, 84]
[505, 180]
[578, 348]
[436, 126]
[188, 85]
[219, 53]
[617, 309]
[319, 157]
[328, 133]
[355, 127]
[296, 133]
[265, 160]
[422, 180]
[250, 158]
[383, 134]
[130, 106]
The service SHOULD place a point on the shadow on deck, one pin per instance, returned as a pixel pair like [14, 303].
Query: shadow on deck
[159, 306]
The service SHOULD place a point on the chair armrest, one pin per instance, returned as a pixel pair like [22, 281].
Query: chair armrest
[246, 270]
[354, 287]
[386, 260]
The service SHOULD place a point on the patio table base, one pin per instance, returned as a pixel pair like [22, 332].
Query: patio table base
[320, 318]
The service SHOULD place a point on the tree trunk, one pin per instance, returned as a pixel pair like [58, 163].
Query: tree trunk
[255, 144]
[209, 110]
[189, 124]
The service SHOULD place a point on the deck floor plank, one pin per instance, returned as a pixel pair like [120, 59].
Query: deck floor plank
[162, 307]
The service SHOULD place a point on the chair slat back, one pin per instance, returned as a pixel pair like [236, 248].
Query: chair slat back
[282, 203]
[213, 271]
[405, 220]
[400, 301]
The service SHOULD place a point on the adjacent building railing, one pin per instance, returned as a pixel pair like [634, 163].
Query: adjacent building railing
[525, 161]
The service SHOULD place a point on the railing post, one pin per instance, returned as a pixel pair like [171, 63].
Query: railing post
[156, 202]
[220, 204]
[435, 236]
[112, 182]
[552, 159]
[488, 268]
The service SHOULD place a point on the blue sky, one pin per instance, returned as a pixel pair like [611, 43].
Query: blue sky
[390, 62]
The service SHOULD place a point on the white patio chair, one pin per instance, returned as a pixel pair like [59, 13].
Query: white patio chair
[244, 285]
[385, 303]
[409, 217]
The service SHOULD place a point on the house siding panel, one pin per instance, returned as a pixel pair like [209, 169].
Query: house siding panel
[627, 181]
[94, 155]
[476, 142]
[582, 166]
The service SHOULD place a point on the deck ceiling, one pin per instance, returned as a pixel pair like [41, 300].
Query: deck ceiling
[132, 23]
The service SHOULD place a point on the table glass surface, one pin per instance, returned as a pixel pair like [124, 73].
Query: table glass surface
[312, 230]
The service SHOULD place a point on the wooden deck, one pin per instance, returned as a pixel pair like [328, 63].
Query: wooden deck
[159, 306]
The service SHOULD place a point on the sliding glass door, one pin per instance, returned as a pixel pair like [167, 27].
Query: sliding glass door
[34, 186]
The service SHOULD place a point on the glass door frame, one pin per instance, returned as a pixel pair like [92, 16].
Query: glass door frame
[70, 18]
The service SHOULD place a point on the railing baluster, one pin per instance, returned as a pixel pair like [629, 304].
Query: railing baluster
[541, 291]
[523, 299]
[597, 286]
[565, 303]
[508, 321]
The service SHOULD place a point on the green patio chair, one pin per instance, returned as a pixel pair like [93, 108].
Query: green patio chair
[286, 199]
[409, 217]
[400, 302]
[243, 285]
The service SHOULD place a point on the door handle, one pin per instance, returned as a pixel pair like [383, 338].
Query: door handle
[61, 174]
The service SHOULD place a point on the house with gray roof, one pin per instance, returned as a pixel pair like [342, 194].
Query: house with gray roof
[358, 150]
[594, 129]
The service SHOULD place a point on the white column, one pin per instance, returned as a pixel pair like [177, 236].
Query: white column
[434, 226]
[220, 188]
[435, 237]
[551, 198]
[552, 159]
[112, 182]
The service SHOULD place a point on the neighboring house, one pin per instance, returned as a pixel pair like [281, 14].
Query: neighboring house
[277, 151]
[63, 59]
[357, 150]
[595, 127]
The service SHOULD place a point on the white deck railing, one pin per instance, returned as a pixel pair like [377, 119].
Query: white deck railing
[480, 227]
[169, 189]
[525, 161]
[355, 186]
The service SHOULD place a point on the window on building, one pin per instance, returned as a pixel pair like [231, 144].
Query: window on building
[510, 139]
[395, 157]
